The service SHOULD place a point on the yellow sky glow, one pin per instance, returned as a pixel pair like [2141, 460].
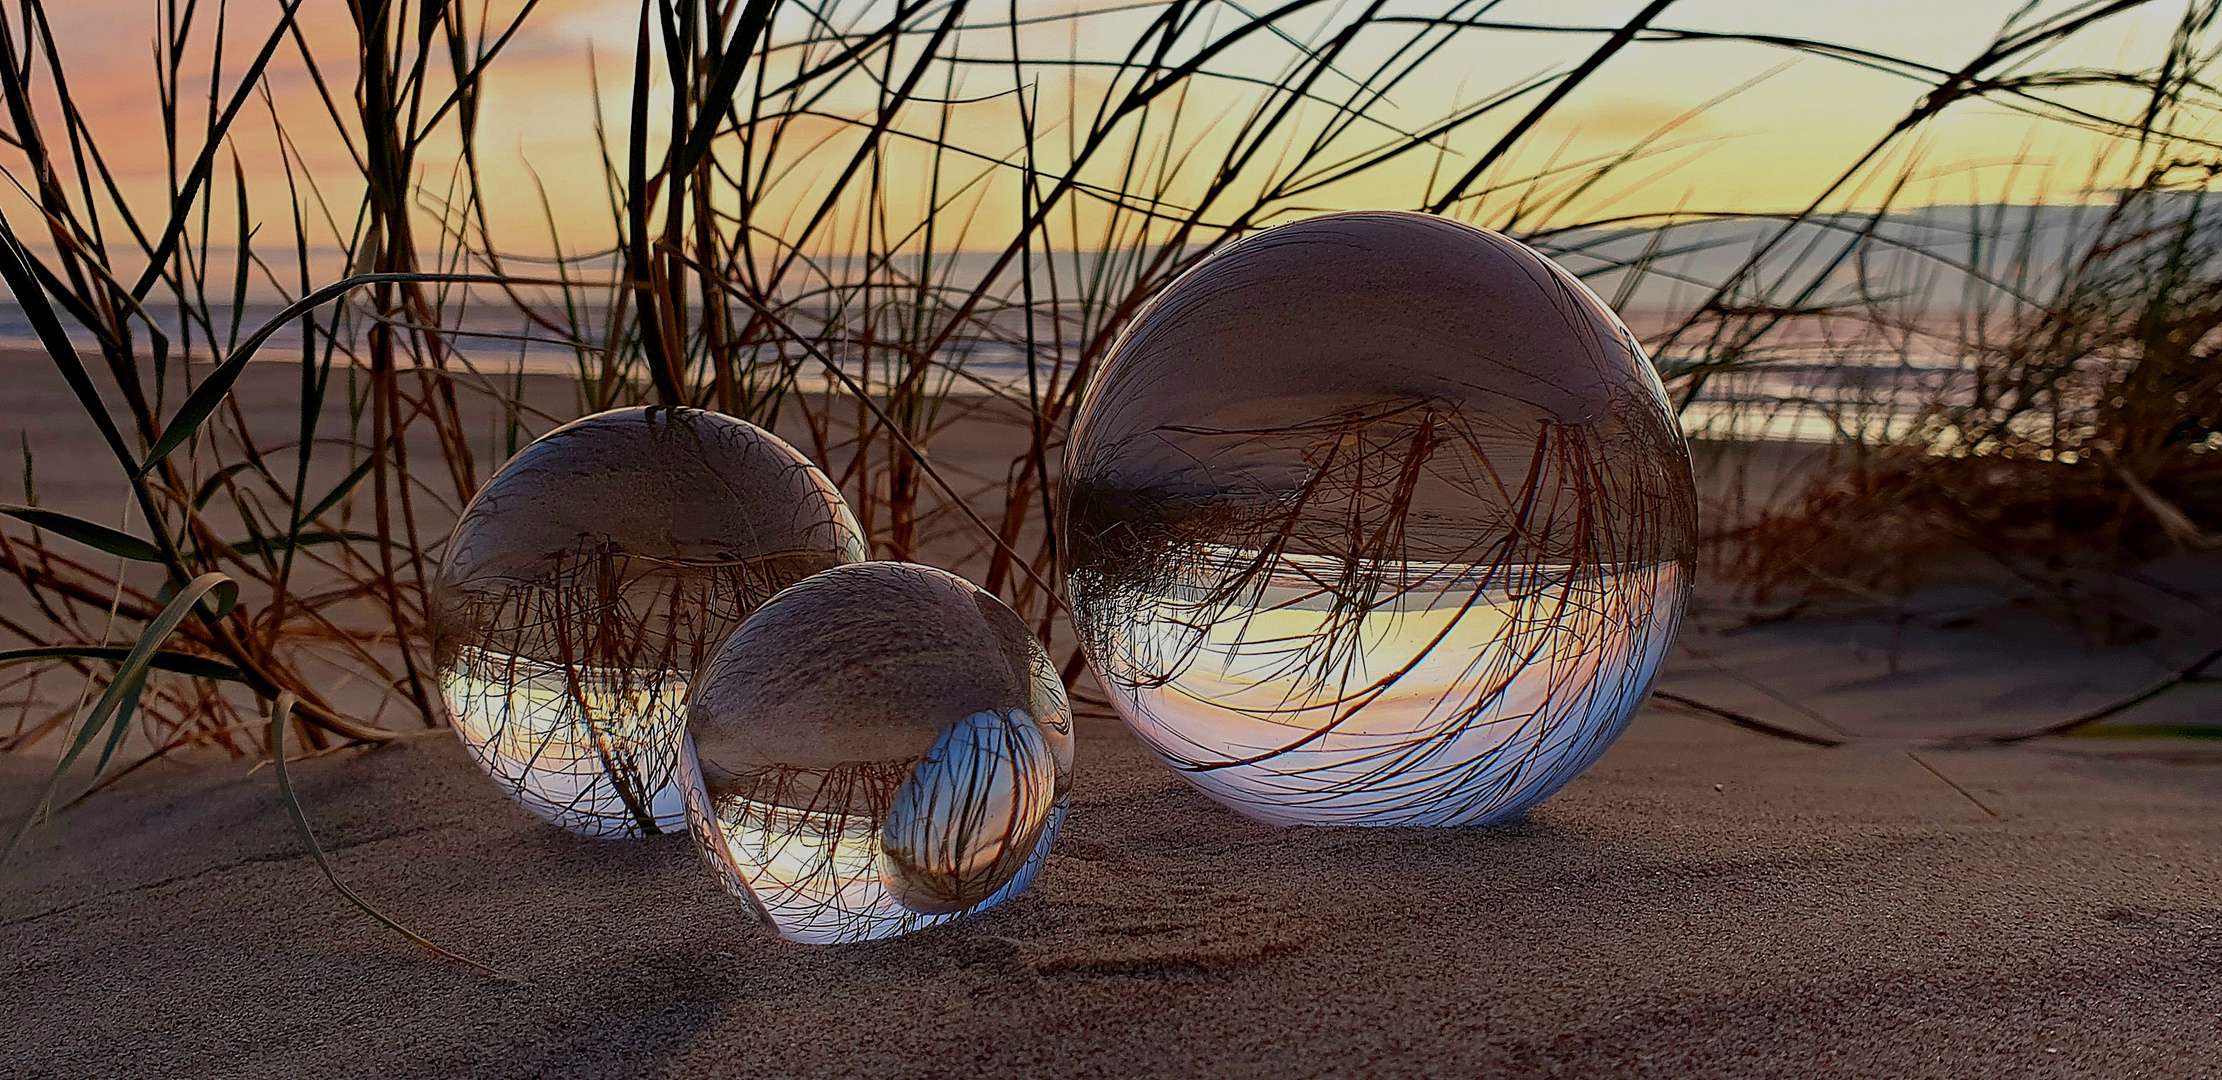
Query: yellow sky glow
[1788, 126]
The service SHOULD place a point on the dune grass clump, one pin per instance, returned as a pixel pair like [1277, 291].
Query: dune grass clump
[2070, 444]
[876, 229]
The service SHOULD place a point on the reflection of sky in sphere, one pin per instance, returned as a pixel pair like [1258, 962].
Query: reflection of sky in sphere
[815, 876]
[879, 748]
[525, 725]
[1463, 696]
[589, 579]
[1377, 518]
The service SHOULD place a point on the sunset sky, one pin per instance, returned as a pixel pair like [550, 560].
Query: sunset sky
[1771, 146]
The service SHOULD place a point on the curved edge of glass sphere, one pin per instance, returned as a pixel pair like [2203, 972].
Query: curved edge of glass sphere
[1377, 519]
[865, 911]
[535, 736]
[1477, 775]
[894, 752]
[587, 580]
[964, 822]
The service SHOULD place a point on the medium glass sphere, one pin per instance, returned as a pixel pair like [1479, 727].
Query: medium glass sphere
[1377, 518]
[591, 577]
[880, 748]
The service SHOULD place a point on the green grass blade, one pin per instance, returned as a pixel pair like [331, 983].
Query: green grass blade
[127, 706]
[340, 490]
[122, 695]
[91, 534]
[199, 667]
[202, 403]
[38, 309]
[215, 483]
[219, 605]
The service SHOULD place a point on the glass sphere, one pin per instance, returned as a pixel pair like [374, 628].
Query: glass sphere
[880, 748]
[592, 576]
[1377, 518]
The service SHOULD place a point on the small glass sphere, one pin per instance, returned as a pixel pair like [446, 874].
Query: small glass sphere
[1377, 518]
[879, 748]
[591, 577]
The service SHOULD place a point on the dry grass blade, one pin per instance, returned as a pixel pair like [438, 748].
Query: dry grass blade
[2195, 672]
[904, 236]
[1744, 720]
[280, 711]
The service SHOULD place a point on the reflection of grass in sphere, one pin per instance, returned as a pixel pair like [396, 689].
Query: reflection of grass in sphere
[880, 748]
[588, 749]
[588, 581]
[1377, 519]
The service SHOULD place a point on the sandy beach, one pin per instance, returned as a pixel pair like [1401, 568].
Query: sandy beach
[1373, 334]
[1703, 901]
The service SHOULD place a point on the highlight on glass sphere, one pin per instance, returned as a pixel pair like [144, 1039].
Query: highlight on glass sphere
[1377, 518]
[880, 748]
[591, 577]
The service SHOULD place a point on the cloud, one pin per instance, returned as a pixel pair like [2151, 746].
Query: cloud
[1631, 119]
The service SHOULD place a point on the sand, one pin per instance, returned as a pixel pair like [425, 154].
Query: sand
[1703, 901]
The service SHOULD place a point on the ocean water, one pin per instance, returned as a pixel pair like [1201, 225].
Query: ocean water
[1805, 394]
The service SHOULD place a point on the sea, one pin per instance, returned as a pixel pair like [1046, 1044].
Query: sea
[1890, 310]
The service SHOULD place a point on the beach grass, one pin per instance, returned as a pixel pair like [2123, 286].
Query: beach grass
[811, 233]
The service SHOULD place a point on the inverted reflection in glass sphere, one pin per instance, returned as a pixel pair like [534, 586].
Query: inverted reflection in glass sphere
[1377, 518]
[591, 577]
[880, 748]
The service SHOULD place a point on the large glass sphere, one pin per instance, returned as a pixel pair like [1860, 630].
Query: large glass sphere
[1377, 518]
[880, 748]
[592, 576]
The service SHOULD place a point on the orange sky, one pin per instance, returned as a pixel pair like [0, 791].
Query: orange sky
[1772, 146]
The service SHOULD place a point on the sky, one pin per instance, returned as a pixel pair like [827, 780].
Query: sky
[1785, 128]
